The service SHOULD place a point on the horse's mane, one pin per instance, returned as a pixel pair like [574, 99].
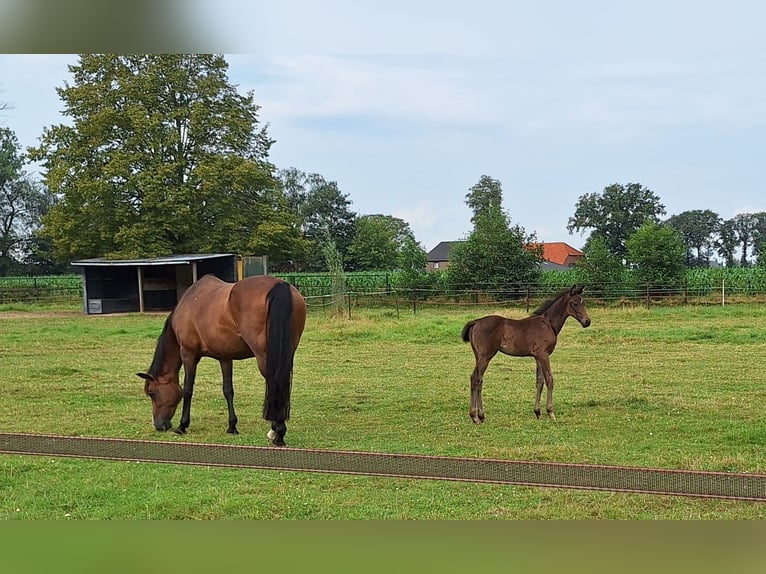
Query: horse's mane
[548, 303]
[159, 354]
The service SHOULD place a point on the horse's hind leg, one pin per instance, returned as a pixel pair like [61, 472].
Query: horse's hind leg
[544, 377]
[277, 433]
[227, 370]
[278, 428]
[477, 382]
[540, 383]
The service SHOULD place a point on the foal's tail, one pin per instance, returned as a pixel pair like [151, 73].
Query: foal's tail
[279, 353]
[466, 334]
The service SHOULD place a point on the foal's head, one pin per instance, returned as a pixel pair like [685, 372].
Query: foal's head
[576, 305]
[165, 393]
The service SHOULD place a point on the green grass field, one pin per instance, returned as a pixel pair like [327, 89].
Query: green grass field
[667, 387]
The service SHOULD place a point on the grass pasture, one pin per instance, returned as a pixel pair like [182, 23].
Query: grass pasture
[668, 388]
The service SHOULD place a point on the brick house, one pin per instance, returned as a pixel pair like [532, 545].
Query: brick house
[556, 255]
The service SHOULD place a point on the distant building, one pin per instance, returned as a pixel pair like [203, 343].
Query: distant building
[438, 257]
[560, 253]
[557, 255]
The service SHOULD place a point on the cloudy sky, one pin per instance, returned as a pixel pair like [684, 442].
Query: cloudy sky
[407, 104]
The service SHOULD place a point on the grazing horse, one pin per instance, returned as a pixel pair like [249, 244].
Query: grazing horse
[534, 336]
[261, 317]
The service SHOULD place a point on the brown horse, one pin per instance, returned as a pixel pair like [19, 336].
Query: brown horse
[534, 336]
[261, 317]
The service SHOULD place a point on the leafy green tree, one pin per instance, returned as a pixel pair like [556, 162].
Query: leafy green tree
[22, 204]
[323, 213]
[495, 253]
[485, 195]
[696, 228]
[161, 156]
[727, 242]
[616, 213]
[602, 267]
[759, 238]
[658, 254]
[744, 227]
[378, 242]
[412, 260]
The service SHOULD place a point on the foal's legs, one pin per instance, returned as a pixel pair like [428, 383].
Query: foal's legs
[227, 370]
[477, 382]
[544, 377]
[540, 383]
[190, 372]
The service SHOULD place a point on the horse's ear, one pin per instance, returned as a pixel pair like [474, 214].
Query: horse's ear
[576, 289]
[145, 376]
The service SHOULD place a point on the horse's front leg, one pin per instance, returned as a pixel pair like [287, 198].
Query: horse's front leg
[227, 370]
[190, 372]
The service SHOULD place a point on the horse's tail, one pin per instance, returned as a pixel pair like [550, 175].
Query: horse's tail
[466, 334]
[279, 353]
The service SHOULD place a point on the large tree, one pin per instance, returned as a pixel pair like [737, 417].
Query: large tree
[162, 155]
[727, 242]
[378, 242]
[496, 252]
[22, 204]
[602, 268]
[616, 213]
[485, 195]
[657, 252]
[745, 229]
[324, 214]
[697, 229]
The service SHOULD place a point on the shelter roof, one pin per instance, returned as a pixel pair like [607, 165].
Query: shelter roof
[167, 260]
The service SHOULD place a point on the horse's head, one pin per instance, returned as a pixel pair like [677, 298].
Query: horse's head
[576, 306]
[165, 393]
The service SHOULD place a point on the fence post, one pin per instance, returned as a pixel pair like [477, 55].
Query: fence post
[348, 300]
[648, 298]
[414, 303]
[723, 292]
[527, 300]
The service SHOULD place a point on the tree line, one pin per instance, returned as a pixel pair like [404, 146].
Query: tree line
[162, 155]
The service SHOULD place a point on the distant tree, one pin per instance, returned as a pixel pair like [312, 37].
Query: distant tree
[697, 229]
[658, 254]
[323, 212]
[162, 155]
[412, 258]
[495, 252]
[483, 196]
[378, 242]
[602, 267]
[727, 242]
[759, 238]
[744, 226]
[22, 204]
[616, 213]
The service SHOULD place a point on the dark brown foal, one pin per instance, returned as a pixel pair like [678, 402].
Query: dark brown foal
[534, 336]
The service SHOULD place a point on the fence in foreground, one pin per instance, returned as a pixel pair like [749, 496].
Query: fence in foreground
[736, 486]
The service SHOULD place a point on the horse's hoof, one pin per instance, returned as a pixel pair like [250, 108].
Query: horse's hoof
[232, 431]
[180, 431]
